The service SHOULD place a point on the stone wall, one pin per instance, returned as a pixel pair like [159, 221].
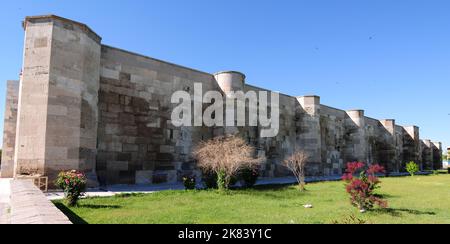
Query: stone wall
[107, 112]
[9, 129]
[137, 142]
[333, 140]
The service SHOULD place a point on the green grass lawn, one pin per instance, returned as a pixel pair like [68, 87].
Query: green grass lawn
[420, 199]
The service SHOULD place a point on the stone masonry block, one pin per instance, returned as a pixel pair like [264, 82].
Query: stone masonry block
[117, 165]
[130, 148]
[144, 177]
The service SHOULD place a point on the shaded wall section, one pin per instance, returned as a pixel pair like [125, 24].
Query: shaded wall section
[437, 155]
[333, 132]
[9, 129]
[137, 142]
[427, 154]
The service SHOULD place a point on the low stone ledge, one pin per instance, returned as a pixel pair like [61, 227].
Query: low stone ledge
[30, 206]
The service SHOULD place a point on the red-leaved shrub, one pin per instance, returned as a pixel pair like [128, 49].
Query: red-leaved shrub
[361, 189]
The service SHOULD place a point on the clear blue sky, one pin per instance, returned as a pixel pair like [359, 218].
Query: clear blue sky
[391, 58]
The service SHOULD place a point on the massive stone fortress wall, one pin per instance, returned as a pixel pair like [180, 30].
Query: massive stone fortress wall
[107, 112]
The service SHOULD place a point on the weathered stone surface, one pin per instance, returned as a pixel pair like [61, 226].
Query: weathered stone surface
[9, 130]
[437, 155]
[30, 206]
[144, 177]
[117, 166]
[59, 88]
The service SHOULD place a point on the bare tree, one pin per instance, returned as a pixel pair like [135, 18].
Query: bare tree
[296, 163]
[225, 156]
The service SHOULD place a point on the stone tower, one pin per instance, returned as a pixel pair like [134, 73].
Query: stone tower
[391, 154]
[229, 82]
[57, 107]
[437, 155]
[357, 138]
[309, 129]
[411, 144]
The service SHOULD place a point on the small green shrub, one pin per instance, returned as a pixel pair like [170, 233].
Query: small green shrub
[249, 176]
[221, 181]
[210, 180]
[412, 168]
[189, 182]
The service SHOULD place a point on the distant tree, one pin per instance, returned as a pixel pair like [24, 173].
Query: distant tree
[444, 157]
[412, 168]
[225, 156]
[296, 163]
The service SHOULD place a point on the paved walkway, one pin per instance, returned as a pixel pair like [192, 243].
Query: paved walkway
[4, 213]
[120, 189]
[30, 206]
[4, 201]
[148, 189]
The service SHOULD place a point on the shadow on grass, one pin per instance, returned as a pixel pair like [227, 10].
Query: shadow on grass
[73, 217]
[272, 191]
[398, 212]
[128, 195]
[385, 196]
[91, 206]
[277, 187]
